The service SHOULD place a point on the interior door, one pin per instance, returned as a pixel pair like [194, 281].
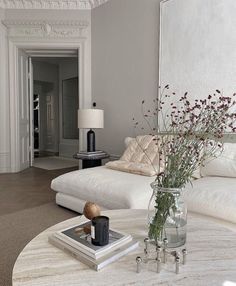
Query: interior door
[50, 122]
[24, 123]
[31, 111]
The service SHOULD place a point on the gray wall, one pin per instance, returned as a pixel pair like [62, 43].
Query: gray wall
[68, 68]
[124, 65]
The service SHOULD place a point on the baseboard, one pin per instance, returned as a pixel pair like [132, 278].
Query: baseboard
[5, 162]
[5, 170]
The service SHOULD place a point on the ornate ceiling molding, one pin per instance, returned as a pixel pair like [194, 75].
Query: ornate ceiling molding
[51, 4]
[96, 3]
[46, 29]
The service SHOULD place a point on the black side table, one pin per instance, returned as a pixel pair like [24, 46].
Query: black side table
[90, 161]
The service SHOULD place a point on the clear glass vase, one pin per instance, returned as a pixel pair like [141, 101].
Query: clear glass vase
[167, 216]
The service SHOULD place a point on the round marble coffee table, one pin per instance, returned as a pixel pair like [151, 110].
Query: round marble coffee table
[211, 258]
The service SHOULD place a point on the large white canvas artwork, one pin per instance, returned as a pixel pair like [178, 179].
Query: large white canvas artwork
[198, 46]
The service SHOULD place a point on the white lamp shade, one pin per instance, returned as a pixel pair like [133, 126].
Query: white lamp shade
[90, 118]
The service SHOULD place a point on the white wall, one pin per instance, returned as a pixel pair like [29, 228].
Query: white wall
[4, 101]
[54, 15]
[124, 65]
[68, 68]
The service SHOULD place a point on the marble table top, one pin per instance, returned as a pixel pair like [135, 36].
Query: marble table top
[211, 257]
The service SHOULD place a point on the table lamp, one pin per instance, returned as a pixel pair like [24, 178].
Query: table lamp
[90, 119]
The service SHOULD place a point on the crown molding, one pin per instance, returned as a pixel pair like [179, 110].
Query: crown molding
[96, 3]
[46, 29]
[51, 4]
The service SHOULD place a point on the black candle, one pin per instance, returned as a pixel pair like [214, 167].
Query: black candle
[100, 230]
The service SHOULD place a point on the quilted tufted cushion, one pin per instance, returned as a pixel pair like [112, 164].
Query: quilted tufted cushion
[128, 140]
[142, 150]
[140, 157]
[131, 167]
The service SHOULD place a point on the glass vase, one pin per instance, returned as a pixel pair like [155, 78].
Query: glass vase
[167, 216]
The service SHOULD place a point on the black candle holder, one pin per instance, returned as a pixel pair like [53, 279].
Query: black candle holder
[100, 230]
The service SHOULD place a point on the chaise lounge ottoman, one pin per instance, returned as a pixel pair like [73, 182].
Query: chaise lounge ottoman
[108, 188]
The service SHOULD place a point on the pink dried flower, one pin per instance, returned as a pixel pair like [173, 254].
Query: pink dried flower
[188, 127]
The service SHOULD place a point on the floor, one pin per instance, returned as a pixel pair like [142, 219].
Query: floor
[27, 207]
[54, 163]
[27, 189]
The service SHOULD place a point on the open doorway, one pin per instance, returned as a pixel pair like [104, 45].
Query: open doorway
[19, 72]
[54, 100]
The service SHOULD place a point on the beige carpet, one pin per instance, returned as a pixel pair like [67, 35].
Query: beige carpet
[17, 229]
[27, 207]
[54, 163]
[27, 189]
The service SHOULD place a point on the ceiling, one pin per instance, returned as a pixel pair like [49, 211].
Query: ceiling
[51, 4]
[54, 60]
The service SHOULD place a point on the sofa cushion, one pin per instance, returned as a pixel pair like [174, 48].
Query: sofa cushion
[213, 196]
[134, 168]
[224, 165]
[108, 188]
[128, 140]
[142, 150]
[140, 157]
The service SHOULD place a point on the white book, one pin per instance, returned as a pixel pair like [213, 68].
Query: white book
[100, 155]
[92, 153]
[77, 238]
[93, 263]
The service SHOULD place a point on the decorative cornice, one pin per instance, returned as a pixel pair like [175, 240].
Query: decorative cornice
[46, 29]
[96, 3]
[51, 4]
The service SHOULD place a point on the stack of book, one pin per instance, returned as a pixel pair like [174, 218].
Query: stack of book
[77, 242]
[97, 154]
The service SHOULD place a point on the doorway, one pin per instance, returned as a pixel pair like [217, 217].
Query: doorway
[55, 100]
[19, 51]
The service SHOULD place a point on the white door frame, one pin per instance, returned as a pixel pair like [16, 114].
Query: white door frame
[31, 110]
[84, 86]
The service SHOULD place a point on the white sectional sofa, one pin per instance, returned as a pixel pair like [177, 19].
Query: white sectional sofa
[214, 194]
[108, 188]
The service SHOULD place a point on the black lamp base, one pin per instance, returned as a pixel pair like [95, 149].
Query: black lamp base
[90, 141]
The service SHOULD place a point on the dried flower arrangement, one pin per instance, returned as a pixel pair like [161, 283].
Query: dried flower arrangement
[187, 133]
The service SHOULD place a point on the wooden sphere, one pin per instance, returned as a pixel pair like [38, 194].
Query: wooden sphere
[91, 210]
